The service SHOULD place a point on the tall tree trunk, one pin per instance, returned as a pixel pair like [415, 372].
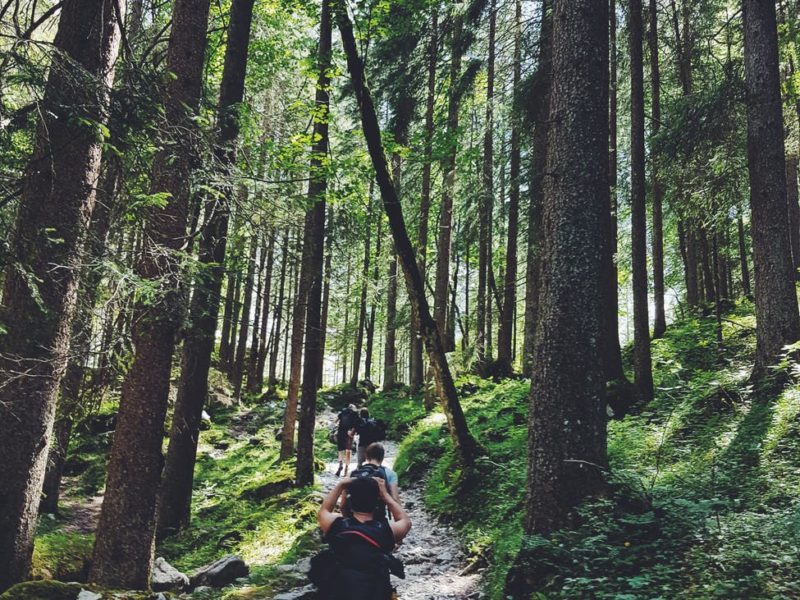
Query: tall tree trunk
[417, 363]
[505, 343]
[362, 301]
[660, 322]
[257, 383]
[484, 315]
[567, 422]
[272, 378]
[304, 472]
[464, 445]
[540, 145]
[374, 306]
[642, 366]
[80, 337]
[123, 550]
[326, 298]
[777, 320]
[227, 319]
[53, 216]
[255, 339]
[297, 337]
[237, 373]
[448, 187]
[620, 392]
[390, 346]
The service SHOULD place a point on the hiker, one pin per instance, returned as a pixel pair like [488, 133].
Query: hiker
[369, 431]
[358, 564]
[345, 431]
[373, 467]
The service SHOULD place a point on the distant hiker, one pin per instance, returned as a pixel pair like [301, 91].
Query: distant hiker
[358, 564]
[373, 468]
[346, 426]
[369, 431]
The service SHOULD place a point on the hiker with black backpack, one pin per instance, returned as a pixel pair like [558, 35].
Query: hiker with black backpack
[347, 421]
[369, 431]
[373, 467]
[359, 561]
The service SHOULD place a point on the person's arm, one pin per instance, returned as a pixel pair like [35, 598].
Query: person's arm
[402, 522]
[326, 515]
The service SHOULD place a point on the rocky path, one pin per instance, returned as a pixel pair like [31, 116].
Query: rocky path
[436, 568]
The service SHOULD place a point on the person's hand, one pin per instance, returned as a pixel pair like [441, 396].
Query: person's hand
[384, 493]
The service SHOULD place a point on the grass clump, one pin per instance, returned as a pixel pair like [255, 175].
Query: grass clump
[399, 408]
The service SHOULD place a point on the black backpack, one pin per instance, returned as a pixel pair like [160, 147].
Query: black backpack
[354, 566]
[348, 419]
[370, 470]
[371, 431]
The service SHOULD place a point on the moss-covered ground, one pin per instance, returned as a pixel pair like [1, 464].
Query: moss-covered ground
[243, 503]
[703, 497]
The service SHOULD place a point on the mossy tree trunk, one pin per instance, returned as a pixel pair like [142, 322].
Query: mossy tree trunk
[39, 300]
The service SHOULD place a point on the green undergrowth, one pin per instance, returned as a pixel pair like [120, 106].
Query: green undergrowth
[399, 408]
[244, 502]
[701, 502]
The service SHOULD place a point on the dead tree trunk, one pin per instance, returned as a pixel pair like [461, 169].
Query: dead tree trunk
[465, 447]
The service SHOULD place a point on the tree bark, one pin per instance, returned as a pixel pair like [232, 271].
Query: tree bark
[272, 379]
[611, 354]
[417, 363]
[506, 335]
[486, 199]
[237, 372]
[743, 260]
[444, 244]
[777, 320]
[567, 422]
[538, 163]
[464, 445]
[642, 366]
[256, 383]
[326, 296]
[81, 333]
[660, 319]
[123, 550]
[390, 346]
[317, 188]
[255, 339]
[362, 301]
[175, 497]
[374, 306]
[38, 301]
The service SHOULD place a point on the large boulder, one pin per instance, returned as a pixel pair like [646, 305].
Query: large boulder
[166, 577]
[222, 572]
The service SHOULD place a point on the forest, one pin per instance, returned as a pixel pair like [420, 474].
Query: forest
[551, 246]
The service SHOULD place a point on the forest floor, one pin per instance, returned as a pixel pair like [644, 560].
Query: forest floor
[702, 498]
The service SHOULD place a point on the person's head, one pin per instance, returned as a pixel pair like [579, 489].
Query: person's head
[375, 452]
[364, 494]
[364, 413]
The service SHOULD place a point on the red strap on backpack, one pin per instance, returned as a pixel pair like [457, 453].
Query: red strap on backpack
[362, 535]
